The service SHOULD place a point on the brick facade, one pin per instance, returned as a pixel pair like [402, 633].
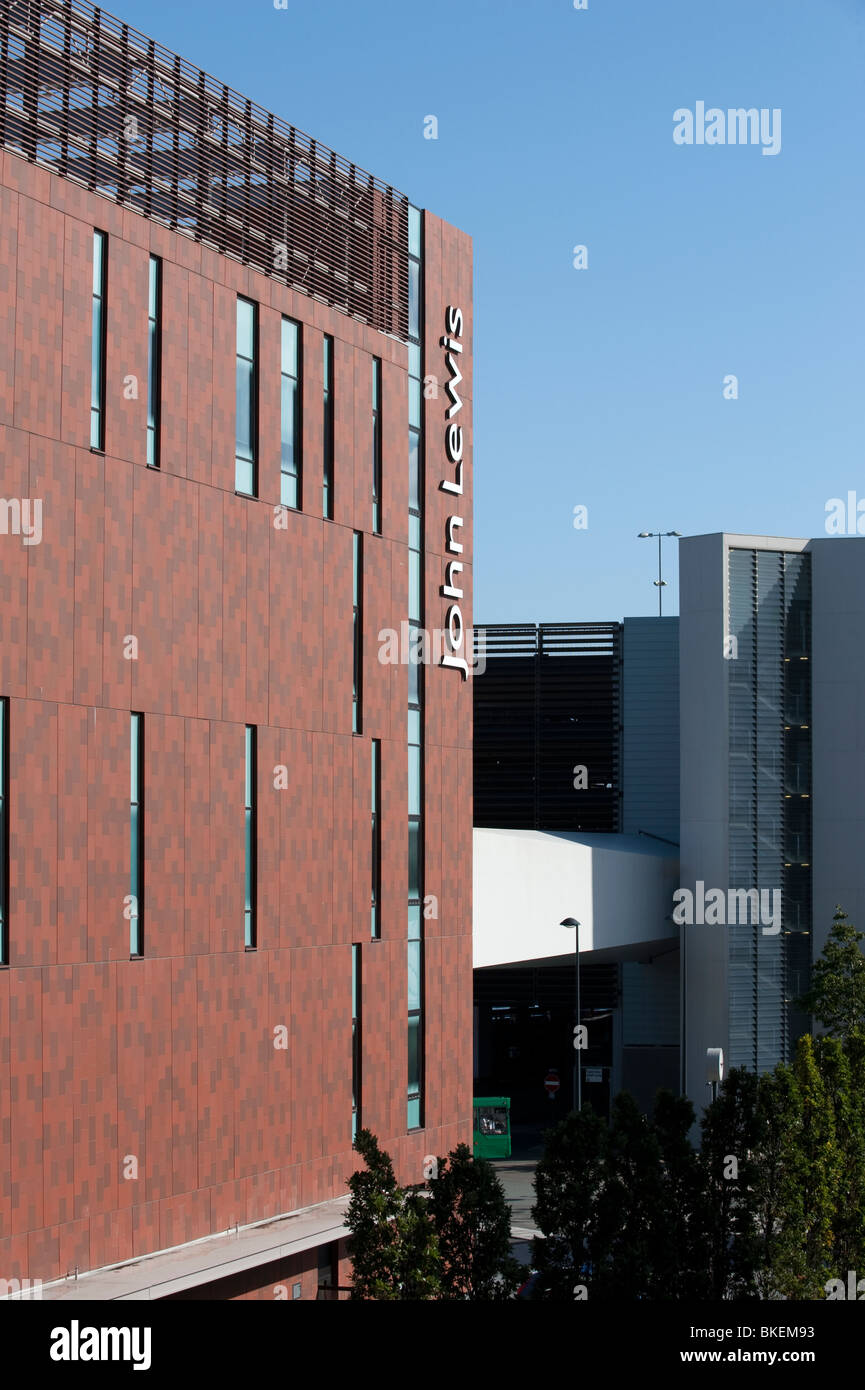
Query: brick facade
[170, 1058]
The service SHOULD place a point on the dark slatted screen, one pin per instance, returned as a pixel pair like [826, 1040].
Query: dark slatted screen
[92, 99]
[547, 702]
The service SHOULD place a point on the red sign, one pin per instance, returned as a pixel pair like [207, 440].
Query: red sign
[552, 1083]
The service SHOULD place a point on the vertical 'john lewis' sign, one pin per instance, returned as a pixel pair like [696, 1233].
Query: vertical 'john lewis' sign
[454, 643]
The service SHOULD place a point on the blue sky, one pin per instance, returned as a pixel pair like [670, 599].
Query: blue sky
[603, 387]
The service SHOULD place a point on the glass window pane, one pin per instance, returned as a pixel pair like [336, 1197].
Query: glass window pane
[414, 859]
[413, 230]
[289, 424]
[133, 757]
[414, 931]
[244, 410]
[243, 478]
[288, 490]
[245, 328]
[413, 681]
[414, 975]
[414, 469]
[414, 770]
[414, 726]
[413, 299]
[414, 585]
[289, 347]
[153, 288]
[96, 356]
[414, 1055]
[414, 400]
[413, 1121]
[414, 360]
[98, 261]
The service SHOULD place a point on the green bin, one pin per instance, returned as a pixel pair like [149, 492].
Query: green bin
[492, 1128]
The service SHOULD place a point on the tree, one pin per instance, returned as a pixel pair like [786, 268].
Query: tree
[803, 1256]
[843, 1072]
[732, 1133]
[623, 1244]
[472, 1222]
[680, 1224]
[392, 1243]
[568, 1182]
[837, 994]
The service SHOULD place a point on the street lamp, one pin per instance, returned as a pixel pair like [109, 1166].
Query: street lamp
[578, 1079]
[660, 583]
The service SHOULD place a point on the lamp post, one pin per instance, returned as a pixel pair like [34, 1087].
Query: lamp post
[574, 925]
[660, 583]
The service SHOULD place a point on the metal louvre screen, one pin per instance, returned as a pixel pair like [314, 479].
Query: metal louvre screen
[770, 790]
[547, 703]
[91, 99]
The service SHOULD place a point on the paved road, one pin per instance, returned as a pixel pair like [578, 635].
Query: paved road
[516, 1175]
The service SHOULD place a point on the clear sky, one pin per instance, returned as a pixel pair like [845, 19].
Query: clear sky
[603, 387]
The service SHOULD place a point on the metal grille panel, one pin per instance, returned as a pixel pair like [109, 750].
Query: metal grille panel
[548, 700]
[95, 101]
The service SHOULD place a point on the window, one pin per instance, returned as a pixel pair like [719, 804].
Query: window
[97, 348]
[154, 350]
[376, 446]
[355, 1041]
[247, 398]
[375, 894]
[290, 485]
[4, 831]
[358, 634]
[415, 685]
[327, 499]
[250, 829]
[136, 836]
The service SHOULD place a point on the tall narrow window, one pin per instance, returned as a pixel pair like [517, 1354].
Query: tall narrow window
[154, 350]
[357, 679]
[376, 445]
[415, 1047]
[327, 490]
[97, 348]
[375, 893]
[415, 686]
[247, 398]
[251, 874]
[4, 831]
[355, 1041]
[290, 487]
[136, 837]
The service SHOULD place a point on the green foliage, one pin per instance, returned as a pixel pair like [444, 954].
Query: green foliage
[452, 1242]
[472, 1221]
[621, 1205]
[392, 1243]
[837, 994]
[732, 1135]
[569, 1184]
[680, 1236]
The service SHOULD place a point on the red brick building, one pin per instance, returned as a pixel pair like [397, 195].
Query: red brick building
[221, 807]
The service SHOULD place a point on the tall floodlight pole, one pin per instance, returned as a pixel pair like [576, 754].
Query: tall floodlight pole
[660, 583]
